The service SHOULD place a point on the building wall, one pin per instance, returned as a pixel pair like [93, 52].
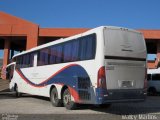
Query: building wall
[1, 62]
[11, 26]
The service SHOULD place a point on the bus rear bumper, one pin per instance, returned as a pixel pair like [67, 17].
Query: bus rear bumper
[125, 95]
[122, 101]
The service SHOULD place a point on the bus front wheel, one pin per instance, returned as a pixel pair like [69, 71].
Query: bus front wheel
[17, 94]
[67, 102]
[54, 98]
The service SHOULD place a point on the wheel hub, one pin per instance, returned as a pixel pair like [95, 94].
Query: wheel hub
[55, 97]
[67, 99]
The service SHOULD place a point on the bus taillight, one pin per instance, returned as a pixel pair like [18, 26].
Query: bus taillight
[101, 79]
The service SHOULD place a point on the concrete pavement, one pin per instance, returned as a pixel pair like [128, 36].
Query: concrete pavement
[4, 84]
[37, 107]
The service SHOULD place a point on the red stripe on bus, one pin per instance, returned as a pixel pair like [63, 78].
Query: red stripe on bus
[22, 76]
[74, 93]
[58, 72]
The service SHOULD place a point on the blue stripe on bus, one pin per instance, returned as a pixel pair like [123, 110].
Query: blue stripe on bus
[67, 75]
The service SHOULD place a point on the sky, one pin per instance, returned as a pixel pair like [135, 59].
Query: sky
[135, 14]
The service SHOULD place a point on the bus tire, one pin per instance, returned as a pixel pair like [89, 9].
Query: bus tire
[70, 105]
[17, 94]
[152, 91]
[54, 98]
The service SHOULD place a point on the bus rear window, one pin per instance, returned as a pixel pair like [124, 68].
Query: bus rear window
[124, 43]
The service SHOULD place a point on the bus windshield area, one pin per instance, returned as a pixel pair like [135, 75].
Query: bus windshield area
[154, 77]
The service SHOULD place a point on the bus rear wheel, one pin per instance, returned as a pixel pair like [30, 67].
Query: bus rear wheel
[54, 98]
[67, 102]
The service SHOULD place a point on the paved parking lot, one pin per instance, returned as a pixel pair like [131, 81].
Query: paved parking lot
[38, 107]
[3, 84]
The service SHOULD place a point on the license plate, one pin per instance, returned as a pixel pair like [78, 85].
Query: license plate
[126, 84]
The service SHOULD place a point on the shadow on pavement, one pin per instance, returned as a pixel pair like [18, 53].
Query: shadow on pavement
[151, 105]
[7, 94]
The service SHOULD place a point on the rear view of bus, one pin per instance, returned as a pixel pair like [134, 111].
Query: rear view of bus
[123, 77]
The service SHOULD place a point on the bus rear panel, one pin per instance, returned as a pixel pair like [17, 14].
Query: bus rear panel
[124, 67]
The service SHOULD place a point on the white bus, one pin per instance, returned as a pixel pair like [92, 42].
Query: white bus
[153, 77]
[100, 66]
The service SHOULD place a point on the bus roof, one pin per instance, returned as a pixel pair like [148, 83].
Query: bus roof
[153, 71]
[73, 37]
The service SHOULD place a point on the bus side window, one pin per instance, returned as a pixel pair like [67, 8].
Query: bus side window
[18, 62]
[31, 60]
[67, 50]
[75, 51]
[87, 47]
[155, 77]
[59, 54]
[43, 57]
[10, 72]
[52, 57]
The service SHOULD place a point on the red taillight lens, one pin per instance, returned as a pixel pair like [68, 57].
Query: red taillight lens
[101, 80]
[145, 80]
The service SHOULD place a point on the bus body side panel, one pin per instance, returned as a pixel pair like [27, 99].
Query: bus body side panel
[124, 78]
[154, 79]
[79, 76]
[75, 76]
